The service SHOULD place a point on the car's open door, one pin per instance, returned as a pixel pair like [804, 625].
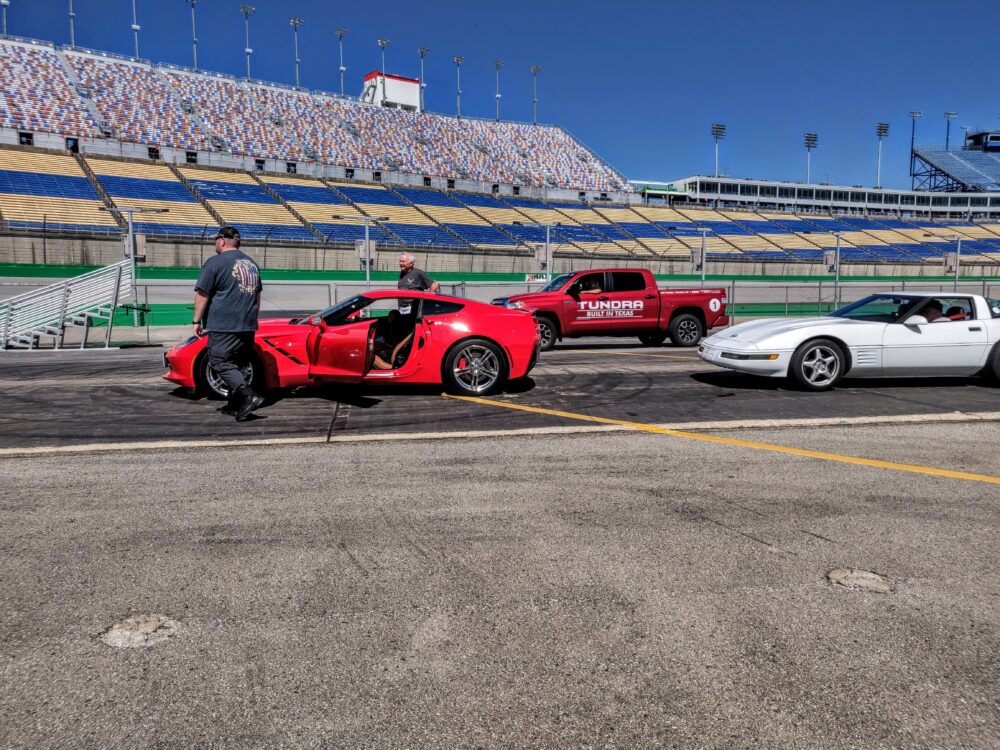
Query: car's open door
[342, 354]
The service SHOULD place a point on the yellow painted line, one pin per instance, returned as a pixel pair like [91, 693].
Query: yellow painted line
[891, 465]
[625, 354]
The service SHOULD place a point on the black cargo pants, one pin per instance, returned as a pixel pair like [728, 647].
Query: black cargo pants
[228, 353]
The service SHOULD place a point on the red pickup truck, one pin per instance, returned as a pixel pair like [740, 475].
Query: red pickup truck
[620, 302]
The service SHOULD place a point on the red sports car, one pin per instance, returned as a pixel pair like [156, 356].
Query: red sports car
[378, 337]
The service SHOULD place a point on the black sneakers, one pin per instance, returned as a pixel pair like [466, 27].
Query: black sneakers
[248, 400]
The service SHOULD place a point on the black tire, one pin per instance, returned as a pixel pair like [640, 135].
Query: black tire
[474, 367]
[654, 338]
[548, 330]
[818, 365]
[211, 386]
[992, 369]
[686, 330]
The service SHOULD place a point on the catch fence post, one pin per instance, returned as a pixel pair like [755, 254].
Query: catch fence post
[114, 306]
[62, 316]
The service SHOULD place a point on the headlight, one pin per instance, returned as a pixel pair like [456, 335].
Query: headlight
[516, 305]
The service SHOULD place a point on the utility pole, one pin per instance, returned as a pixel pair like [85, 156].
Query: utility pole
[247, 11]
[458, 60]
[72, 26]
[296, 24]
[498, 64]
[341, 33]
[535, 70]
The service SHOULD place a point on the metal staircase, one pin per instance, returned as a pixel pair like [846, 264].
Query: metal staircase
[76, 302]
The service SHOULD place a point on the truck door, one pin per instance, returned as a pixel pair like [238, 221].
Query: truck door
[586, 310]
[344, 353]
[633, 304]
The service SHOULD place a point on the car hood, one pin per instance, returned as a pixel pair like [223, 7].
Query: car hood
[755, 331]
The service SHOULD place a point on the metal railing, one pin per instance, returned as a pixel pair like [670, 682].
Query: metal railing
[74, 302]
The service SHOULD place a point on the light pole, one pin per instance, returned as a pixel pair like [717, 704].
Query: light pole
[368, 221]
[913, 135]
[458, 60]
[422, 51]
[836, 272]
[498, 64]
[247, 11]
[194, 32]
[4, 4]
[812, 141]
[296, 24]
[958, 255]
[965, 134]
[382, 44]
[881, 131]
[128, 212]
[703, 262]
[341, 33]
[718, 133]
[548, 242]
[72, 26]
[535, 70]
[135, 30]
[948, 117]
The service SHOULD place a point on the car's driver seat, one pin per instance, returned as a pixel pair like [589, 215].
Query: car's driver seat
[955, 313]
[398, 357]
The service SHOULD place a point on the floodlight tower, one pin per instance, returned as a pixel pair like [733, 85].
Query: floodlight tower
[194, 32]
[948, 117]
[3, 7]
[296, 24]
[913, 135]
[72, 26]
[382, 44]
[498, 64]
[422, 51]
[718, 133]
[965, 136]
[458, 60]
[247, 11]
[341, 33]
[535, 70]
[812, 141]
[881, 131]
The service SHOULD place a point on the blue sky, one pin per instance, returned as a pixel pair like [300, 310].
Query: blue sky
[640, 82]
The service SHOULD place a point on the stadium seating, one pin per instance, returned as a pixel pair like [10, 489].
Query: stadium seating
[976, 170]
[229, 110]
[318, 204]
[137, 185]
[244, 204]
[42, 190]
[137, 103]
[36, 93]
[512, 222]
[600, 224]
[461, 220]
[402, 219]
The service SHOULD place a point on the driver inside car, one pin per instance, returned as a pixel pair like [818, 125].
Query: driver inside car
[934, 312]
[392, 334]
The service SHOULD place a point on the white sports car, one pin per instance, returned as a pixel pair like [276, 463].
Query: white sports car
[904, 334]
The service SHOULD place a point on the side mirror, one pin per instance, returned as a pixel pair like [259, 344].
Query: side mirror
[574, 289]
[916, 320]
[317, 320]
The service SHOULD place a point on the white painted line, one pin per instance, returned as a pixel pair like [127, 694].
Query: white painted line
[489, 434]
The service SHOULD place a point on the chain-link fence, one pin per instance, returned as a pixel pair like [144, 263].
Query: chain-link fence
[163, 311]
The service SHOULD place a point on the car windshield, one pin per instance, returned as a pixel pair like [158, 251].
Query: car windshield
[556, 283]
[879, 308]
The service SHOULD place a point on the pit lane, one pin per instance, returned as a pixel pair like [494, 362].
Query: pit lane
[61, 399]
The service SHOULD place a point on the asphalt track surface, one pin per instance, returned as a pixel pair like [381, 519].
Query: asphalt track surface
[530, 581]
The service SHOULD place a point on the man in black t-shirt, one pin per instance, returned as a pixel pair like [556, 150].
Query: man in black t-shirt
[412, 278]
[226, 305]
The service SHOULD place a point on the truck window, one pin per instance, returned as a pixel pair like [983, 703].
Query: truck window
[628, 281]
[592, 283]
